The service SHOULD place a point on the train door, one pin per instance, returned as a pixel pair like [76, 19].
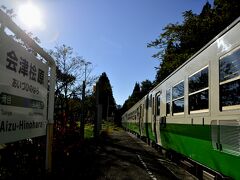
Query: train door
[154, 119]
[141, 125]
[148, 124]
[157, 119]
[146, 116]
[150, 117]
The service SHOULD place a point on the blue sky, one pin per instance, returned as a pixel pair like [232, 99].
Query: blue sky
[112, 34]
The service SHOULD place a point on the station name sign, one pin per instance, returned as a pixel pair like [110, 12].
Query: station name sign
[23, 92]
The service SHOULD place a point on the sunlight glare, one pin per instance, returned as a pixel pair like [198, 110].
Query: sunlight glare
[30, 15]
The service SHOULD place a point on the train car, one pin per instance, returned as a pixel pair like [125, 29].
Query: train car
[195, 111]
[133, 119]
[138, 120]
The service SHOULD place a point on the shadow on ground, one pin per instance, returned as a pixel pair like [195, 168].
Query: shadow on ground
[112, 156]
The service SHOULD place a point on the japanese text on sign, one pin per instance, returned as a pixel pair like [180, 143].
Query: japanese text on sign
[22, 66]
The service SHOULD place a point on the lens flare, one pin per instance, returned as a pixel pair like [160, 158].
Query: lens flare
[30, 15]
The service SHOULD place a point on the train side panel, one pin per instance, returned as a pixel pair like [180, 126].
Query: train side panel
[209, 135]
[196, 110]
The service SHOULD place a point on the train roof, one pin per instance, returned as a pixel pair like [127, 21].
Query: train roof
[199, 51]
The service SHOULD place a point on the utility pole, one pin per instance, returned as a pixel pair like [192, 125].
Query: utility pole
[82, 122]
[98, 116]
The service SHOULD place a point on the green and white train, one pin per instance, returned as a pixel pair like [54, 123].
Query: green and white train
[195, 111]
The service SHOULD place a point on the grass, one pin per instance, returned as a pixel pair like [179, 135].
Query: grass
[107, 128]
[88, 131]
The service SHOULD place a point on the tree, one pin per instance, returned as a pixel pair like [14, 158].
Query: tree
[106, 97]
[146, 86]
[136, 94]
[178, 42]
[133, 99]
[71, 72]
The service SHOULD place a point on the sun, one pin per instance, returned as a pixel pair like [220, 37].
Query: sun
[30, 15]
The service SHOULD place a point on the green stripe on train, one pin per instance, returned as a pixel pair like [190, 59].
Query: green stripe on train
[149, 132]
[133, 127]
[146, 130]
[194, 141]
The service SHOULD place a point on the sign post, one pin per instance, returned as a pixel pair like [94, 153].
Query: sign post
[27, 86]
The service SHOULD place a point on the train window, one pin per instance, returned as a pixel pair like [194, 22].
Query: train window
[229, 76]
[178, 90]
[168, 99]
[178, 98]
[158, 104]
[178, 106]
[198, 91]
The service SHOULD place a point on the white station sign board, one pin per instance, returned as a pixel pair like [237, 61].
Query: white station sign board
[23, 92]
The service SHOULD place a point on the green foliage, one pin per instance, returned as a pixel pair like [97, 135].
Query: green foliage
[106, 96]
[134, 98]
[178, 42]
[88, 131]
[138, 93]
[146, 86]
[71, 71]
